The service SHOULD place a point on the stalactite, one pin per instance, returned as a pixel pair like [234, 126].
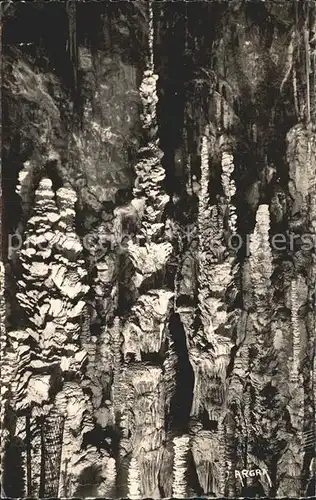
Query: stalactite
[181, 449]
[289, 60]
[72, 38]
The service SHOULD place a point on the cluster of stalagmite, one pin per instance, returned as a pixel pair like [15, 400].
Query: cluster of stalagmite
[117, 383]
[53, 282]
[52, 292]
[53, 414]
[209, 348]
[297, 461]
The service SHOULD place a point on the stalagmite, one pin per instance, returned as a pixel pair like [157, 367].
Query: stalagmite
[109, 488]
[208, 457]
[138, 392]
[295, 333]
[181, 448]
[133, 480]
[259, 267]
[261, 256]
[36, 456]
[74, 407]
[116, 336]
[145, 331]
[222, 457]
[4, 370]
[229, 188]
[21, 432]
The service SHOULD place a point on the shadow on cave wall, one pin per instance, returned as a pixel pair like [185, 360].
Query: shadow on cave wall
[181, 401]
[89, 480]
[14, 474]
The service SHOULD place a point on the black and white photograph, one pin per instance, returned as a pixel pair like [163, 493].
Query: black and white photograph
[158, 249]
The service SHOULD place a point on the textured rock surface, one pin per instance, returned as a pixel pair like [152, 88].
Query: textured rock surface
[156, 339]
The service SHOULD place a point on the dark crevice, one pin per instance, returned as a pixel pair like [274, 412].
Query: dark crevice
[13, 470]
[193, 480]
[181, 402]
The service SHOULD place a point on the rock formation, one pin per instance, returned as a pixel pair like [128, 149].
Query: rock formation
[158, 249]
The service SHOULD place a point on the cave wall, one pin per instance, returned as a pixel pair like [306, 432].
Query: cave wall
[156, 341]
